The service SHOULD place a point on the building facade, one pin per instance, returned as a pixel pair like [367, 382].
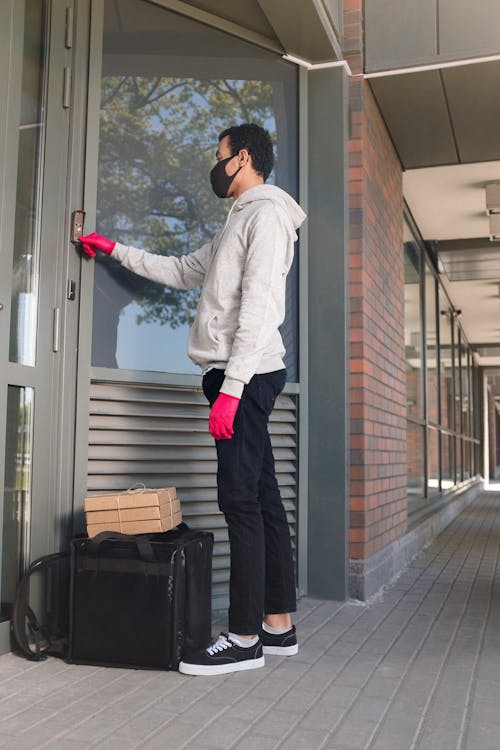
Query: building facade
[387, 424]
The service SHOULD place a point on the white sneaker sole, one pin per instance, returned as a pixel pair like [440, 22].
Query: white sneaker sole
[281, 650]
[238, 666]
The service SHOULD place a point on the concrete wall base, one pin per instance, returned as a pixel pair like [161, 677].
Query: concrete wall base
[367, 577]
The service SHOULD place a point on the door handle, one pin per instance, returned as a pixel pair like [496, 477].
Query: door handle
[77, 222]
[56, 329]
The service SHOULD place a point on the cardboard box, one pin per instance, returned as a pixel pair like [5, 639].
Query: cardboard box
[146, 511]
[141, 513]
[135, 527]
[130, 499]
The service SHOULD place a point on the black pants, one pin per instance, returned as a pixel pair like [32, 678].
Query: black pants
[262, 571]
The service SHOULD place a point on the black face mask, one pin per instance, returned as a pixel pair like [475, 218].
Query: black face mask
[221, 182]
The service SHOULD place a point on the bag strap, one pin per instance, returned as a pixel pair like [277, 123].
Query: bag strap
[142, 543]
[22, 613]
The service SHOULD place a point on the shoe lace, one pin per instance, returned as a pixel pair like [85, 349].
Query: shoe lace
[221, 644]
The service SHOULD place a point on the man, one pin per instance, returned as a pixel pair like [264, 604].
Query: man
[235, 340]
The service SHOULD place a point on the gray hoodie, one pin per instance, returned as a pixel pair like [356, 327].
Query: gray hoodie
[243, 272]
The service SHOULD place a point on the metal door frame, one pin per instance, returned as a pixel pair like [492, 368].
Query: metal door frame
[86, 372]
[56, 317]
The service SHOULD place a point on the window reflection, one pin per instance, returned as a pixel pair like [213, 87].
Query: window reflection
[413, 331]
[164, 101]
[416, 467]
[433, 467]
[446, 362]
[447, 461]
[22, 342]
[17, 492]
[431, 347]
[441, 386]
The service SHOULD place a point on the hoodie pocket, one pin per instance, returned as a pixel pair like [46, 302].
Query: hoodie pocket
[212, 329]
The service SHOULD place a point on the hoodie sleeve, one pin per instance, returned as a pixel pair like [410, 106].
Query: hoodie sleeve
[185, 272]
[262, 310]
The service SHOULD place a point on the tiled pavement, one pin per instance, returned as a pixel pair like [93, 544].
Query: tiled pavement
[419, 668]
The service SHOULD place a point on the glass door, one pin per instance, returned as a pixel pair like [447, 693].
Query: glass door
[32, 263]
[168, 87]
[162, 87]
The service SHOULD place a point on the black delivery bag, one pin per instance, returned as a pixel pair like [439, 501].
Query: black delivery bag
[140, 601]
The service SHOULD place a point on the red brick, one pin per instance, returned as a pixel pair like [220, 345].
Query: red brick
[377, 352]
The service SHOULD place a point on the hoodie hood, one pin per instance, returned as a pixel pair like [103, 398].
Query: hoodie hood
[275, 194]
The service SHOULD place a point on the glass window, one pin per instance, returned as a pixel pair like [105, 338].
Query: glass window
[433, 460]
[447, 461]
[467, 459]
[446, 362]
[464, 377]
[169, 86]
[474, 400]
[17, 492]
[459, 457]
[413, 331]
[433, 415]
[470, 394]
[23, 321]
[441, 385]
[416, 466]
[457, 379]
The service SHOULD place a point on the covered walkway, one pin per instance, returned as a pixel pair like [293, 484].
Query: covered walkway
[419, 667]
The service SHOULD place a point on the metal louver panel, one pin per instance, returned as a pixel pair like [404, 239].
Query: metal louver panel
[158, 435]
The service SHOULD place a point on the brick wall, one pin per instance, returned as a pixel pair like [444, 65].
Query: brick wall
[378, 481]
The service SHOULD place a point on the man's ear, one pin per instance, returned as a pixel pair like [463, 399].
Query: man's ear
[244, 156]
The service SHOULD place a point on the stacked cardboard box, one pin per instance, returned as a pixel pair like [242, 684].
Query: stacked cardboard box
[133, 512]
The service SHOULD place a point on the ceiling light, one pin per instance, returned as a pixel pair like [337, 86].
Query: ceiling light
[494, 227]
[492, 198]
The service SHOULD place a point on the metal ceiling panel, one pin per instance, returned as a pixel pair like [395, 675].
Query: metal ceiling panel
[470, 260]
[335, 9]
[415, 111]
[399, 33]
[473, 93]
[304, 28]
[472, 247]
[480, 273]
[468, 27]
[246, 13]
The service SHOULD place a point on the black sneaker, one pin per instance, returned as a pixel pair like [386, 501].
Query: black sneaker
[223, 656]
[280, 645]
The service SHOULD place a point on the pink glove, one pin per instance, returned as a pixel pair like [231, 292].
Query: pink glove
[222, 414]
[93, 241]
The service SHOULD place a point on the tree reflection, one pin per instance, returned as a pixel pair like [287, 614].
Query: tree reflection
[158, 138]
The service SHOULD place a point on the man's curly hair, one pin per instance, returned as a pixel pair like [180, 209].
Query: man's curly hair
[257, 142]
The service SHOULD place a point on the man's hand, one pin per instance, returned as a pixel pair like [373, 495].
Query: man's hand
[222, 414]
[93, 241]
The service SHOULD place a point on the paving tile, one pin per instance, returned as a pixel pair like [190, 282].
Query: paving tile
[222, 732]
[486, 713]
[296, 701]
[249, 708]
[323, 716]
[481, 738]
[488, 689]
[114, 742]
[354, 732]
[369, 708]
[174, 734]
[57, 744]
[338, 695]
[143, 724]
[305, 739]
[7, 741]
[363, 671]
[251, 742]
